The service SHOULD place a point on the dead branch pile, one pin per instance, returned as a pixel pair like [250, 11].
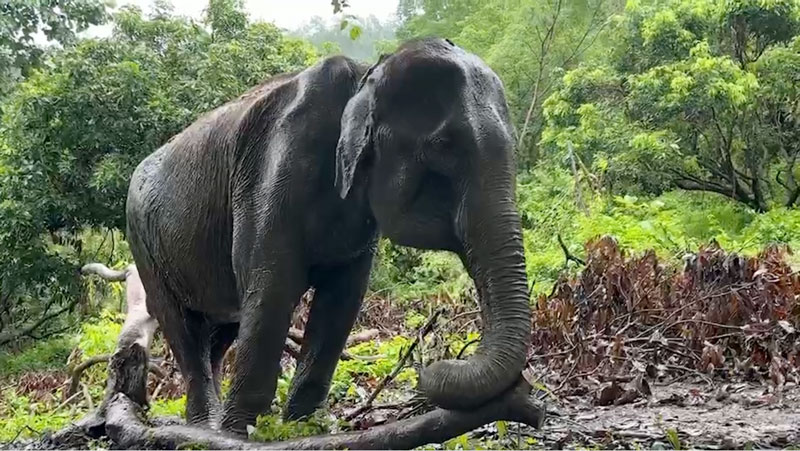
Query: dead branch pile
[721, 315]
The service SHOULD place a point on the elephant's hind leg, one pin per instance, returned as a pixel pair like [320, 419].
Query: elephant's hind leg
[189, 336]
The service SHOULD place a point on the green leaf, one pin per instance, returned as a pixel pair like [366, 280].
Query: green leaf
[502, 429]
[672, 436]
[355, 32]
[343, 24]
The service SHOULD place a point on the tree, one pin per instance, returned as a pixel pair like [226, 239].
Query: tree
[75, 129]
[434, 17]
[701, 96]
[58, 20]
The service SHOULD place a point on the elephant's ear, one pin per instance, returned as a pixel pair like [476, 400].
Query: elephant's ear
[355, 139]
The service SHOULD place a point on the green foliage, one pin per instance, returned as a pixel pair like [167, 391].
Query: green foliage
[74, 130]
[348, 372]
[696, 98]
[100, 336]
[464, 344]
[24, 417]
[408, 274]
[59, 21]
[168, 407]
[272, 427]
[42, 356]
[31, 413]
[672, 436]
[465, 442]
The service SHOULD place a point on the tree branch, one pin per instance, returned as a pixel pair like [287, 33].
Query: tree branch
[75, 375]
[126, 429]
[567, 254]
[27, 331]
[423, 331]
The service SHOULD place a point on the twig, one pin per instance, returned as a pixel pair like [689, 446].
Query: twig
[158, 389]
[26, 331]
[463, 314]
[464, 348]
[401, 363]
[695, 372]
[66, 401]
[675, 351]
[553, 354]
[706, 323]
[19, 432]
[88, 396]
[569, 375]
[75, 378]
[567, 253]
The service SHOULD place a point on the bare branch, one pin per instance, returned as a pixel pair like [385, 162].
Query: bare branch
[27, 331]
[423, 331]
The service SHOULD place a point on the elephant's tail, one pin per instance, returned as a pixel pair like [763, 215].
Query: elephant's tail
[105, 272]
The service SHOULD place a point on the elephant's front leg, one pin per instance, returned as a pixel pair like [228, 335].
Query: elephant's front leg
[273, 290]
[337, 300]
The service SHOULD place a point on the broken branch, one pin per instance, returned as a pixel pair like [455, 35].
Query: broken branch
[127, 430]
[567, 254]
[423, 331]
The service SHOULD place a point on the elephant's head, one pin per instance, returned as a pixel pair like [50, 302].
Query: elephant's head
[428, 137]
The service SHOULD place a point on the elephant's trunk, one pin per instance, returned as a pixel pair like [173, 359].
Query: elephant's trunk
[493, 253]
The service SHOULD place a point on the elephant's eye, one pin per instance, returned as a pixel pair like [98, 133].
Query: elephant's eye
[441, 155]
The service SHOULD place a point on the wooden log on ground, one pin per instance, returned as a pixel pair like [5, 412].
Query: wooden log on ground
[127, 430]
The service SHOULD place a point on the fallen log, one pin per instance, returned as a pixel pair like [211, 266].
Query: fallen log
[126, 428]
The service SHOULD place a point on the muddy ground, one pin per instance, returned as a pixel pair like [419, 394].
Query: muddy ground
[734, 416]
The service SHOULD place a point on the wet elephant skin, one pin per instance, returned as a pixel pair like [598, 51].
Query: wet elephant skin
[288, 186]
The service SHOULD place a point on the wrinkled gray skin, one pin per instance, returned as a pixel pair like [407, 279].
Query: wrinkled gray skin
[286, 188]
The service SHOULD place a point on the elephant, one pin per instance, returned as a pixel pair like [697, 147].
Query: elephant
[290, 186]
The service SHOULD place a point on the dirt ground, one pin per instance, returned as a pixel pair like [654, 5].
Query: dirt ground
[736, 416]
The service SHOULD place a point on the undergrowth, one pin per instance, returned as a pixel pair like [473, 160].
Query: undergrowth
[41, 356]
[35, 380]
[354, 373]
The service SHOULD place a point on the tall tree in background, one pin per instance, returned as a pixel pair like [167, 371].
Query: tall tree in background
[700, 95]
[58, 21]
